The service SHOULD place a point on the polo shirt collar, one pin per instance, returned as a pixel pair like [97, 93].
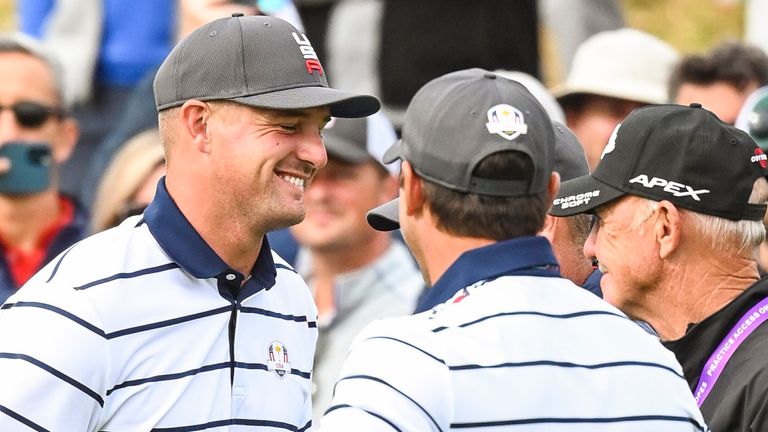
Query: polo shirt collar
[184, 245]
[530, 256]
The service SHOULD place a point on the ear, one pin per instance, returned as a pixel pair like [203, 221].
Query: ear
[66, 139]
[194, 117]
[550, 224]
[554, 186]
[667, 229]
[411, 192]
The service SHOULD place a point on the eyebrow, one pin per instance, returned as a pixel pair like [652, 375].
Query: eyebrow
[273, 114]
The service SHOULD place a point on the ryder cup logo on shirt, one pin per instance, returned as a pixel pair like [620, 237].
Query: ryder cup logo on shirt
[278, 359]
[506, 121]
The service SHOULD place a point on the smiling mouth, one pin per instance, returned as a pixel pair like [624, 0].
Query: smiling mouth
[296, 181]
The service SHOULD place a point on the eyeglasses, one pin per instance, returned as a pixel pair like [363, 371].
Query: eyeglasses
[32, 114]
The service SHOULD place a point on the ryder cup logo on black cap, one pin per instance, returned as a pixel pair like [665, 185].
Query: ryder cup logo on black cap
[684, 155]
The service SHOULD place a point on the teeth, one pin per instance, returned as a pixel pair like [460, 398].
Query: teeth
[299, 183]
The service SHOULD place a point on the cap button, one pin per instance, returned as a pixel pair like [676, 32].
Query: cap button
[237, 14]
[695, 105]
[490, 75]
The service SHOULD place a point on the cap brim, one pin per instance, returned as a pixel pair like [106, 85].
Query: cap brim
[385, 217]
[345, 150]
[342, 104]
[393, 153]
[582, 195]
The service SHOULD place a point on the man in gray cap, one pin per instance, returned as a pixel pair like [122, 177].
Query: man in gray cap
[356, 274]
[514, 343]
[183, 318]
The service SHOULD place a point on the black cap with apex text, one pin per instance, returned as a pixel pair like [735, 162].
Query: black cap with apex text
[681, 154]
[260, 61]
[455, 121]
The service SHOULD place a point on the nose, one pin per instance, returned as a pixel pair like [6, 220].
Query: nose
[312, 150]
[589, 245]
[9, 127]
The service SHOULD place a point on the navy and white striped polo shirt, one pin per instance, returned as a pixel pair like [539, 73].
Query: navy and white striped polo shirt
[142, 328]
[516, 349]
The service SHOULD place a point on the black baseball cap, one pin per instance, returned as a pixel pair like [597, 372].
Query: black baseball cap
[457, 120]
[681, 154]
[359, 140]
[260, 61]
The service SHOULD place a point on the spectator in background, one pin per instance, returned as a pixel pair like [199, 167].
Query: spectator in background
[753, 119]
[721, 79]
[356, 274]
[129, 183]
[613, 72]
[108, 46]
[36, 222]
[568, 234]
[679, 199]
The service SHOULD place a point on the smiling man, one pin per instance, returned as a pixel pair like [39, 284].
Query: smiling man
[680, 198]
[183, 318]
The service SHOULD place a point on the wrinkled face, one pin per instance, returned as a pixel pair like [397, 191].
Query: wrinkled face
[595, 122]
[623, 241]
[27, 79]
[263, 160]
[337, 201]
[721, 98]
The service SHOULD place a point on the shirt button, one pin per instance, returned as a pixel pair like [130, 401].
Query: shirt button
[230, 277]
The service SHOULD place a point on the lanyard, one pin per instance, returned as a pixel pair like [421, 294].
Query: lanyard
[716, 362]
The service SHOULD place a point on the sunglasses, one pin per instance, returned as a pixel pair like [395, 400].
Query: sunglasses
[32, 114]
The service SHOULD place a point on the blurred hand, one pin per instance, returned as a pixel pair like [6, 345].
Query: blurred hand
[195, 13]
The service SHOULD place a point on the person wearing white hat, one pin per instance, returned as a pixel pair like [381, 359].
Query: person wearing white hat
[613, 72]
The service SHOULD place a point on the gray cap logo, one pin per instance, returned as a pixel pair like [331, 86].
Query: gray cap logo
[310, 57]
[506, 121]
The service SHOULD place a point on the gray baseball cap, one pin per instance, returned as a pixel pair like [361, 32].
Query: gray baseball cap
[359, 140]
[570, 161]
[457, 120]
[260, 61]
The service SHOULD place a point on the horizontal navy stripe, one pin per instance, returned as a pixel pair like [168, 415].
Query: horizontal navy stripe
[56, 373]
[21, 419]
[380, 417]
[58, 263]
[230, 422]
[60, 311]
[534, 313]
[167, 323]
[407, 344]
[203, 369]
[271, 314]
[284, 267]
[578, 420]
[567, 365]
[381, 381]
[130, 275]
[261, 366]
[168, 377]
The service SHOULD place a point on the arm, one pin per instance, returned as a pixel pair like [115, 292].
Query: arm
[52, 367]
[194, 13]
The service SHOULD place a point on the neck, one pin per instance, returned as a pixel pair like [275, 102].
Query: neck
[441, 250]
[693, 292]
[23, 219]
[234, 241]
